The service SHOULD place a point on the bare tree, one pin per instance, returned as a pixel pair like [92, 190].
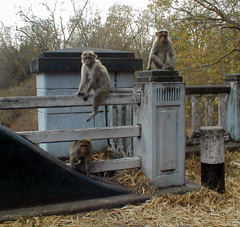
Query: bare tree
[47, 34]
[213, 14]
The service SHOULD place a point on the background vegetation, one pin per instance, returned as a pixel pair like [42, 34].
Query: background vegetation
[205, 35]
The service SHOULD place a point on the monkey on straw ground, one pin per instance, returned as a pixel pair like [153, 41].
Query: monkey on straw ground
[81, 150]
[94, 76]
[162, 53]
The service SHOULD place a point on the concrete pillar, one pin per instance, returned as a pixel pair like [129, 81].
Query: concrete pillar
[233, 106]
[58, 73]
[222, 110]
[162, 117]
[195, 100]
[209, 98]
[212, 158]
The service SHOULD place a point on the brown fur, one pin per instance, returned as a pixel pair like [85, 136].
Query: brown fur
[94, 76]
[162, 53]
[81, 149]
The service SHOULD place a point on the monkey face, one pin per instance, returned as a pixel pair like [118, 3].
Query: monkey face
[84, 149]
[88, 61]
[162, 36]
[88, 58]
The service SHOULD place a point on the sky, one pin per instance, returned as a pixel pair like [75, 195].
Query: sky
[11, 7]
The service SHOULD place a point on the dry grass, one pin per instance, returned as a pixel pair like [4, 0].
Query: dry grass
[22, 119]
[200, 208]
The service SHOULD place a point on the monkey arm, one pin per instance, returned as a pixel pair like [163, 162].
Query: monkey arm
[170, 58]
[149, 62]
[84, 78]
[152, 51]
[90, 84]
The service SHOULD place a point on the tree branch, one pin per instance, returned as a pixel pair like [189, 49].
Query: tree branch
[214, 63]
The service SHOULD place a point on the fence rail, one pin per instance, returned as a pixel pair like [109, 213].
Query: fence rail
[204, 89]
[64, 101]
[76, 134]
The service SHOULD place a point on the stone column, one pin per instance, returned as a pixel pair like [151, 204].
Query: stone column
[195, 100]
[162, 117]
[222, 110]
[209, 109]
[233, 106]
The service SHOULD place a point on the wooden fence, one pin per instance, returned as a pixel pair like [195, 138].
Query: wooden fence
[75, 134]
[203, 104]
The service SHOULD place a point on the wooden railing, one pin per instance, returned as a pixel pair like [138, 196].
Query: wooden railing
[116, 132]
[205, 106]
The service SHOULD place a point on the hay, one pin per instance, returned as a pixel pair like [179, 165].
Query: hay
[201, 208]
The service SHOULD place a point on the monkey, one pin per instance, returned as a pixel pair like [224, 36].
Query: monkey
[79, 150]
[94, 77]
[162, 53]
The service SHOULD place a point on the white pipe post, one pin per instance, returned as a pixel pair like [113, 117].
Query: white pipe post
[212, 158]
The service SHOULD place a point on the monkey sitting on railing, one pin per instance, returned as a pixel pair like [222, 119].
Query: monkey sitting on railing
[94, 76]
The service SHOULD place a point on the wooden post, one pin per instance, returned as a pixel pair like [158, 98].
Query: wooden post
[212, 158]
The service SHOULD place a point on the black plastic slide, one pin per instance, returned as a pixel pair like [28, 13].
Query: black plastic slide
[30, 176]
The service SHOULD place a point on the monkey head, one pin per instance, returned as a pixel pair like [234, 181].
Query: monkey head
[85, 145]
[162, 35]
[88, 57]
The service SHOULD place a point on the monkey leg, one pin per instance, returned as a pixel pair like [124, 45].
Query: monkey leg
[72, 161]
[95, 109]
[157, 62]
[87, 167]
[100, 95]
[149, 64]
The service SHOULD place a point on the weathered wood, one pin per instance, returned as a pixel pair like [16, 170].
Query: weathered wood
[76, 134]
[25, 102]
[115, 164]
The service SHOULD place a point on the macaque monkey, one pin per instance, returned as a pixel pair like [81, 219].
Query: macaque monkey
[94, 77]
[81, 150]
[162, 53]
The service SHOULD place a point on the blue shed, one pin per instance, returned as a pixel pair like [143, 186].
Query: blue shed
[58, 73]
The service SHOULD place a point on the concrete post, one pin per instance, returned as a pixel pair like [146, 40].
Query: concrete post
[233, 106]
[212, 157]
[162, 117]
[222, 110]
[195, 100]
[209, 109]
